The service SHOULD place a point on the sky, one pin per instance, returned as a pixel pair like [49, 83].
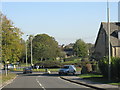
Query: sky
[65, 21]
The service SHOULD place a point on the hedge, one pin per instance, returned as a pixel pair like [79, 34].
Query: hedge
[115, 68]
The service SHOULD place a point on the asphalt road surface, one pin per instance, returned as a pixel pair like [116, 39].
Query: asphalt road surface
[37, 80]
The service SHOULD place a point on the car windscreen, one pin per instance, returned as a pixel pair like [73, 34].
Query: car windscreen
[66, 67]
[10, 65]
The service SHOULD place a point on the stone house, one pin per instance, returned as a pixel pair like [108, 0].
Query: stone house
[101, 44]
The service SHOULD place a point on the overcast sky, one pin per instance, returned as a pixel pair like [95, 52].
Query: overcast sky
[65, 21]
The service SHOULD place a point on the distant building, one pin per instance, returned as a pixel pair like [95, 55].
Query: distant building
[68, 49]
[101, 44]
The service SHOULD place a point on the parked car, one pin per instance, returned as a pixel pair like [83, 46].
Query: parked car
[10, 66]
[67, 69]
[27, 70]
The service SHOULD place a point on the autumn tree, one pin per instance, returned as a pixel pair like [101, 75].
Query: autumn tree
[12, 45]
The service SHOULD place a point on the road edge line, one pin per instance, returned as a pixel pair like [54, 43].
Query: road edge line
[8, 82]
[82, 83]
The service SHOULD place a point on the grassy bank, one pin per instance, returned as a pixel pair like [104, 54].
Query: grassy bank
[4, 78]
[98, 78]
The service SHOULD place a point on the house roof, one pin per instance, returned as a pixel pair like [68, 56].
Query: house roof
[114, 29]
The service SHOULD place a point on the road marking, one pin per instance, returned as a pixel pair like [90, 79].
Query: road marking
[72, 83]
[8, 82]
[40, 83]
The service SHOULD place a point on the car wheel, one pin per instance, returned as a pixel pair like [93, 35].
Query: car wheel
[24, 73]
[74, 73]
[66, 73]
[60, 73]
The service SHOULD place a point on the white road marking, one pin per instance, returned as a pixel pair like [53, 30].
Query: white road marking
[72, 83]
[8, 82]
[60, 79]
[40, 83]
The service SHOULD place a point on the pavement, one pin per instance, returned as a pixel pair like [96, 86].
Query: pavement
[94, 85]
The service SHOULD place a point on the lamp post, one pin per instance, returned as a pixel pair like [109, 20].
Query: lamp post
[31, 52]
[31, 38]
[7, 62]
[109, 51]
[26, 52]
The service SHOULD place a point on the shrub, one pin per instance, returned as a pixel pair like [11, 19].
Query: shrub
[89, 67]
[84, 70]
[86, 67]
[115, 67]
[49, 64]
[103, 65]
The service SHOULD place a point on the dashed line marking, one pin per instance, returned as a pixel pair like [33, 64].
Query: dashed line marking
[40, 83]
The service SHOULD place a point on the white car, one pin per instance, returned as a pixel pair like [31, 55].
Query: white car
[67, 69]
[10, 66]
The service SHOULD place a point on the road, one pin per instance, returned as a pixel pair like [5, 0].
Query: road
[37, 80]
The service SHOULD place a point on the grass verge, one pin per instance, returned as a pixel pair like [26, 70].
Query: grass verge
[98, 78]
[39, 70]
[4, 78]
[43, 70]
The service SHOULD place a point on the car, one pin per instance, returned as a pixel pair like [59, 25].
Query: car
[10, 66]
[27, 70]
[67, 69]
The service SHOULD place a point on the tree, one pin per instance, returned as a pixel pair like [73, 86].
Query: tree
[80, 48]
[12, 46]
[45, 47]
[90, 48]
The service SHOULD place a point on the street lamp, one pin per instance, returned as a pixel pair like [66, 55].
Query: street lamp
[31, 51]
[7, 62]
[109, 52]
[26, 52]
[12, 27]
[31, 38]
